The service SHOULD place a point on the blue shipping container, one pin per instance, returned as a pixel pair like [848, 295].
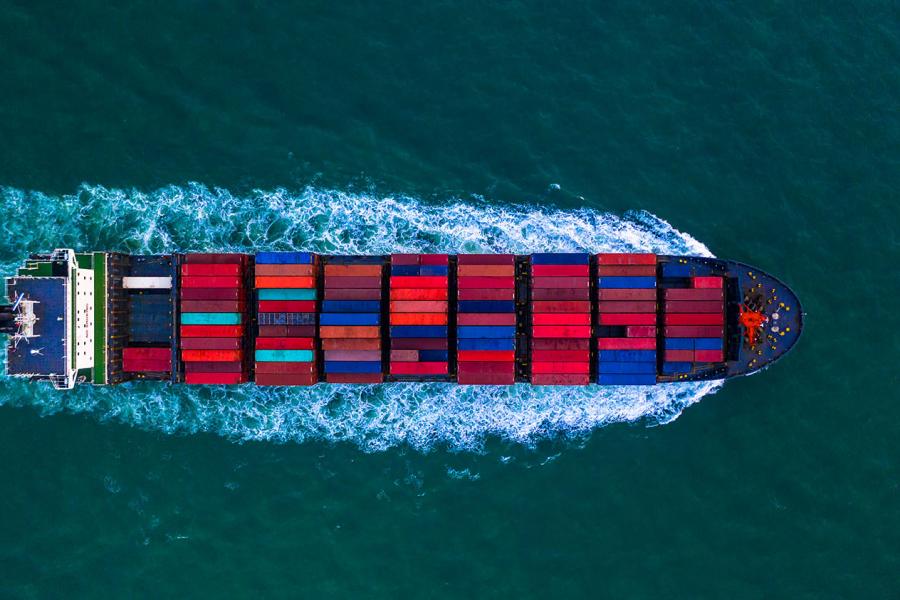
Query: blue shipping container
[707, 343]
[678, 343]
[487, 306]
[351, 306]
[626, 367]
[352, 367]
[433, 356]
[284, 258]
[405, 270]
[626, 379]
[628, 355]
[628, 283]
[419, 331]
[488, 331]
[671, 368]
[486, 344]
[676, 270]
[563, 258]
[350, 319]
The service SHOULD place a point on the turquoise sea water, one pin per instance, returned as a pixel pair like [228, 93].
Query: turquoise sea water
[766, 133]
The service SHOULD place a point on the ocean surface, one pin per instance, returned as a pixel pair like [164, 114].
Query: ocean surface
[767, 133]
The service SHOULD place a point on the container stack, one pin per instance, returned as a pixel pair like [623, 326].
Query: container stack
[350, 323]
[213, 318]
[626, 291]
[560, 319]
[419, 292]
[694, 320]
[486, 319]
[149, 292]
[286, 317]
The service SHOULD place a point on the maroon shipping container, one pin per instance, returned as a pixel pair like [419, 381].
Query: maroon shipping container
[694, 331]
[404, 355]
[493, 294]
[285, 367]
[640, 331]
[405, 259]
[434, 259]
[560, 367]
[354, 378]
[147, 365]
[626, 259]
[210, 343]
[543, 306]
[485, 271]
[693, 294]
[419, 344]
[285, 270]
[467, 368]
[560, 282]
[715, 318]
[560, 379]
[215, 259]
[486, 378]
[345, 283]
[627, 270]
[679, 356]
[286, 378]
[709, 356]
[486, 259]
[486, 319]
[147, 353]
[351, 344]
[356, 294]
[679, 306]
[353, 355]
[626, 306]
[209, 270]
[560, 294]
[615, 294]
[287, 330]
[213, 293]
[418, 368]
[560, 344]
[213, 367]
[487, 283]
[214, 306]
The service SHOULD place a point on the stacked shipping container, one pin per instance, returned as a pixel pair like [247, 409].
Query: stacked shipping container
[213, 318]
[694, 320]
[418, 307]
[486, 319]
[149, 293]
[560, 319]
[626, 318]
[286, 316]
[350, 323]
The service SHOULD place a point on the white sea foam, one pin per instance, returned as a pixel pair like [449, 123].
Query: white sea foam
[422, 416]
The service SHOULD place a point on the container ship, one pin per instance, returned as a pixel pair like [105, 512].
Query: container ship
[300, 318]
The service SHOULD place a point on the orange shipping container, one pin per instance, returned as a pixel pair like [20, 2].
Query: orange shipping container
[349, 331]
[285, 282]
[285, 270]
[353, 270]
[351, 344]
[418, 306]
[485, 270]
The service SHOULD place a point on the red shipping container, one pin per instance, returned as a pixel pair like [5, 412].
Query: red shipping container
[344, 283]
[215, 378]
[405, 259]
[622, 294]
[693, 331]
[560, 379]
[353, 355]
[287, 330]
[147, 353]
[560, 270]
[419, 318]
[407, 294]
[560, 355]
[627, 270]
[286, 367]
[434, 259]
[637, 331]
[485, 271]
[351, 344]
[284, 343]
[486, 283]
[562, 331]
[211, 282]
[694, 319]
[404, 355]
[285, 270]
[709, 356]
[486, 259]
[561, 319]
[286, 378]
[679, 355]
[701, 283]
[560, 367]
[627, 319]
[214, 367]
[414, 306]
[692, 294]
[678, 306]
[213, 293]
[419, 344]
[285, 282]
[417, 282]
[565, 306]
[492, 294]
[218, 259]
[418, 368]
[146, 365]
[211, 270]
[230, 306]
[560, 344]
[354, 378]
[211, 355]
[570, 283]
[626, 259]
[467, 368]
[486, 378]
[626, 343]
[560, 294]
[354, 271]
[232, 343]
[486, 319]
[357, 294]
[206, 331]
[289, 306]
[349, 331]
[607, 306]
[486, 355]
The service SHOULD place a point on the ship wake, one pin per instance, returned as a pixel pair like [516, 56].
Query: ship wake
[421, 416]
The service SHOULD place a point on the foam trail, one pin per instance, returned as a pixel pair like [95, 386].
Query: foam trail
[423, 416]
